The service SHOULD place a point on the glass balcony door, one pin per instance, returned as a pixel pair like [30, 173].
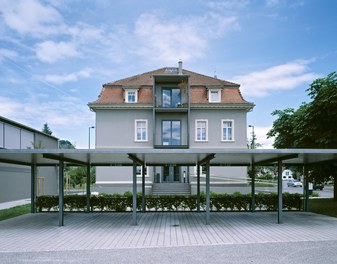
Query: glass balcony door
[171, 132]
[171, 97]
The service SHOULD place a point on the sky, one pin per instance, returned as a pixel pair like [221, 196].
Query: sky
[55, 55]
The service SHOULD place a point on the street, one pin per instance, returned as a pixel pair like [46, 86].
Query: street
[327, 192]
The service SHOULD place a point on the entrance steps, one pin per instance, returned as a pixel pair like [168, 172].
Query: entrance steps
[171, 189]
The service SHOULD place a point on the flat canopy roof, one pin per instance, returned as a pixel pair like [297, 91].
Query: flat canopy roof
[153, 157]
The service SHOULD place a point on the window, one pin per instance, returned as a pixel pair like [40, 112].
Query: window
[203, 170]
[139, 171]
[201, 130]
[227, 133]
[141, 130]
[171, 97]
[171, 132]
[214, 95]
[131, 96]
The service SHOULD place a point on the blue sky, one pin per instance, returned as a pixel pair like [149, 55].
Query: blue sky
[55, 55]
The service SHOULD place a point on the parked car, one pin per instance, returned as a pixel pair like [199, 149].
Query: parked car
[294, 183]
[318, 186]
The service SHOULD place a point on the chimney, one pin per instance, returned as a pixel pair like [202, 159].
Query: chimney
[180, 67]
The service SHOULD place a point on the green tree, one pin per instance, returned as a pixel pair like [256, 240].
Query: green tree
[312, 125]
[78, 175]
[46, 129]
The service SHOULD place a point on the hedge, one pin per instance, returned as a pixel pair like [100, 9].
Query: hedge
[218, 202]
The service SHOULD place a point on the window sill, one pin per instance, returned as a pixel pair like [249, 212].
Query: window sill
[201, 141]
[227, 141]
[141, 141]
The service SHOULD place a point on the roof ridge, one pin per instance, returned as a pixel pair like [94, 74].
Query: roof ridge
[203, 75]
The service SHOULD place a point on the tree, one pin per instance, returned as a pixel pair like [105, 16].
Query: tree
[46, 129]
[312, 125]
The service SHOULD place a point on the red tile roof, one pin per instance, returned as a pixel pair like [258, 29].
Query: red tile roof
[113, 92]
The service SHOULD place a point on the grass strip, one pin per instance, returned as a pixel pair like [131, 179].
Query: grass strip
[325, 206]
[14, 211]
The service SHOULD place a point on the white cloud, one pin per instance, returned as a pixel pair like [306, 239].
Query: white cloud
[281, 77]
[228, 4]
[67, 111]
[31, 17]
[8, 107]
[69, 77]
[5, 53]
[50, 51]
[186, 38]
[261, 136]
[272, 2]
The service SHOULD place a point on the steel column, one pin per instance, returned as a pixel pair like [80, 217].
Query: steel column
[143, 189]
[305, 188]
[279, 192]
[33, 189]
[253, 188]
[198, 188]
[208, 201]
[134, 194]
[61, 193]
[88, 188]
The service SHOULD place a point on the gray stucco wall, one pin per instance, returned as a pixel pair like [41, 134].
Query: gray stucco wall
[214, 118]
[116, 128]
[119, 180]
[15, 182]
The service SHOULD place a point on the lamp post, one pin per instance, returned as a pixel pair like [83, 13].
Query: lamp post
[252, 144]
[89, 134]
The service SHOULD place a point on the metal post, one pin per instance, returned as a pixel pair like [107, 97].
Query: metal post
[198, 188]
[33, 189]
[207, 193]
[88, 188]
[143, 189]
[253, 188]
[61, 193]
[305, 188]
[134, 200]
[279, 192]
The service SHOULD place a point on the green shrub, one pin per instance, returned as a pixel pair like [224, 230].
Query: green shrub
[219, 202]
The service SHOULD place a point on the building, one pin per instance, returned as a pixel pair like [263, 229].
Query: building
[287, 175]
[15, 180]
[170, 108]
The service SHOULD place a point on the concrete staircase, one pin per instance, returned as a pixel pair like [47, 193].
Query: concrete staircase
[171, 189]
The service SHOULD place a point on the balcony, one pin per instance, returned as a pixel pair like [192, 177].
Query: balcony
[178, 107]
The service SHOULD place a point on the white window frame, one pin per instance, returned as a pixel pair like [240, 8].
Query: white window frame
[196, 130]
[141, 171]
[127, 95]
[222, 127]
[146, 130]
[202, 170]
[210, 91]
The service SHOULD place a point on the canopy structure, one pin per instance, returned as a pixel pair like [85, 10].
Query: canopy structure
[158, 157]
[154, 157]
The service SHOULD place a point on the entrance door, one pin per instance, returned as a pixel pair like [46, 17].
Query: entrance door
[171, 173]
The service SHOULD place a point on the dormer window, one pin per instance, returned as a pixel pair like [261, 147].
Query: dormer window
[214, 95]
[131, 96]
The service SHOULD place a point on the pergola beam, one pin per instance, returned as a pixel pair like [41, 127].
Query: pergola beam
[64, 159]
[8, 161]
[276, 159]
[207, 159]
[135, 159]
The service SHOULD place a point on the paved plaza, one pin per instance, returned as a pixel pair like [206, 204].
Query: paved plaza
[162, 234]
